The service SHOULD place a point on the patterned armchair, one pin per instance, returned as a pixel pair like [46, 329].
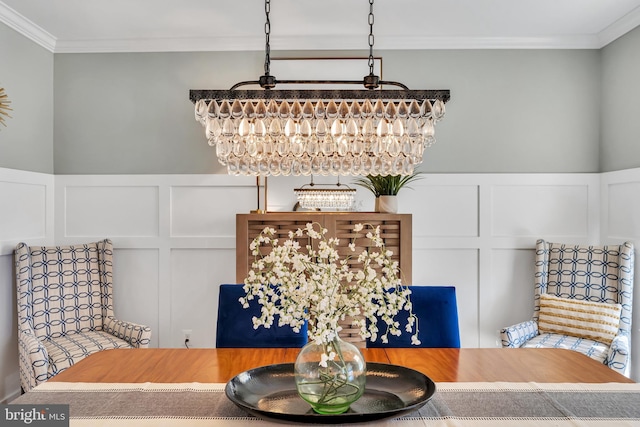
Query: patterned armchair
[65, 308]
[600, 277]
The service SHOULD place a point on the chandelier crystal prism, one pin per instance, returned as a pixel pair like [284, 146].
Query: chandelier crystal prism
[269, 131]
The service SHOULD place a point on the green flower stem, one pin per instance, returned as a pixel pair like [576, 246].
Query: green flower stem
[336, 385]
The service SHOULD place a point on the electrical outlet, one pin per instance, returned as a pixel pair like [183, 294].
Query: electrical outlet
[187, 337]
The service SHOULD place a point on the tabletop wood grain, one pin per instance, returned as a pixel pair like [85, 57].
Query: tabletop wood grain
[219, 365]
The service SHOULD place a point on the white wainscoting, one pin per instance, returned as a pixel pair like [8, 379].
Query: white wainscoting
[174, 243]
[174, 238]
[478, 233]
[27, 209]
[26, 215]
[620, 221]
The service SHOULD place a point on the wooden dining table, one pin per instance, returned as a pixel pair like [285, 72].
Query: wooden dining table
[474, 387]
[217, 365]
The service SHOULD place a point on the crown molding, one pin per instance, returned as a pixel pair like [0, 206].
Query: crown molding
[312, 43]
[417, 43]
[619, 28]
[322, 43]
[19, 23]
[161, 45]
[213, 44]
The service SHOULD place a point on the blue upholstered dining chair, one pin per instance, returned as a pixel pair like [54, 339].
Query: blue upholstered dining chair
[586, 282]
[437, 311]
[235, 327]
[65, 308]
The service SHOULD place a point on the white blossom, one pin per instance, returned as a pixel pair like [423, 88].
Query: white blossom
[298, 282]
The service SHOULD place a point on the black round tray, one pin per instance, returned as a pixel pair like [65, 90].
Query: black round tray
[269, 392]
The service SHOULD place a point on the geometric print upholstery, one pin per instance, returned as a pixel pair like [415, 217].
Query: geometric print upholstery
[587, 273]
[593, 349]
[602, 274]
[66, 294]
[73, 347]
[65, 308]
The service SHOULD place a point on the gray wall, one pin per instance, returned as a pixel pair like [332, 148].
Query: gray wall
[131, 114]
[511, 110]
[26, 74]
[620, 132]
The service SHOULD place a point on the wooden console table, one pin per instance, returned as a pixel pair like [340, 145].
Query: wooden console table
[395, 229]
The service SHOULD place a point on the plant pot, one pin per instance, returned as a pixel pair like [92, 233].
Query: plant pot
[387, 204]
[330, 386]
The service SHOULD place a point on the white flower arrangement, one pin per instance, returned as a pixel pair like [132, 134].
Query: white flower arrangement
[313, 284]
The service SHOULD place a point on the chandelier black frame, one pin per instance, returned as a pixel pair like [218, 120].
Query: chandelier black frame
[229, 117]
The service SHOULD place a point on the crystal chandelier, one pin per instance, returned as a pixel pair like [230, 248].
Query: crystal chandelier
[312, 197]
[373, 131]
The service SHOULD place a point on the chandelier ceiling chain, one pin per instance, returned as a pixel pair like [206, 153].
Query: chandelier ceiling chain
[270, 131]
[267, 36]
[371, 38]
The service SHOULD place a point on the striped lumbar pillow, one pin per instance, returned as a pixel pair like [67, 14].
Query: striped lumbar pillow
[583, 319]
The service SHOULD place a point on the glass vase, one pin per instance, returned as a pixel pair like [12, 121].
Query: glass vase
[330, 376]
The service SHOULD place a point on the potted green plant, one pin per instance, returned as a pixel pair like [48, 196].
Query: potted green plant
[386, 188]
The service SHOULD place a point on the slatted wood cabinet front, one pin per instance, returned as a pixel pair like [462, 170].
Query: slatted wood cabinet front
[395, 230]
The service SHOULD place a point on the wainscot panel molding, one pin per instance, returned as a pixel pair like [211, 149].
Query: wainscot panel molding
[174, 243]
[26, 215]
[111, 211]
[27, 212]
[174, 240]
[620, 219]
[474, 231]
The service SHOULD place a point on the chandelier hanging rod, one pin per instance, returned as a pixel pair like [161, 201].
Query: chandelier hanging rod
[366, 83]
[337, 184]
